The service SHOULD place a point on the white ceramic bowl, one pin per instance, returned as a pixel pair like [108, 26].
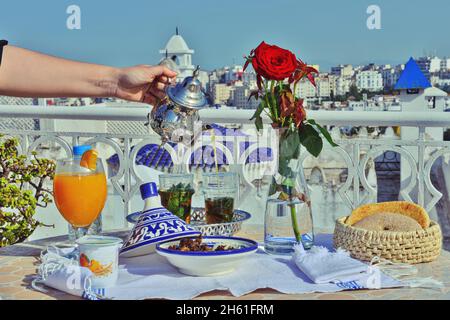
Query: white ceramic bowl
[208, 263]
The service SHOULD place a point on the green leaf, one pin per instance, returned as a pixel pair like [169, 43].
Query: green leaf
[289, 144]
[259, 123]
[310, 139]
[324, 132]
[259, 110]
[257, 115]
[289, 147]
[273, 99]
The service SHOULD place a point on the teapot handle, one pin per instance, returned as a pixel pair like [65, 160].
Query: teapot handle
[196, 71]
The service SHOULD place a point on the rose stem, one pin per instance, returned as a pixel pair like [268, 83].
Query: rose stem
[294, 222]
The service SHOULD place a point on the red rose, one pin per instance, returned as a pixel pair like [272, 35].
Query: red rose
[273, 62]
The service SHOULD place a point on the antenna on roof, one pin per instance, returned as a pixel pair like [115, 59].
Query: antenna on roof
[176, 30]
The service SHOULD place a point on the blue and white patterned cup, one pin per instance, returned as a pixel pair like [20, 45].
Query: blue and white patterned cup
[154, 226]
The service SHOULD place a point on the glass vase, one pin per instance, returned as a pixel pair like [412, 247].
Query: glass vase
[288, 215]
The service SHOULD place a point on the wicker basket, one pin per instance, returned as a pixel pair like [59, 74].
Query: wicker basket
[408, 247]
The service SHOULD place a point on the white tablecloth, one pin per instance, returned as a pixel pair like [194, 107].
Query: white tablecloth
[153, 277]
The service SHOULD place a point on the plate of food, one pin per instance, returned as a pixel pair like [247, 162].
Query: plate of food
[207, 256]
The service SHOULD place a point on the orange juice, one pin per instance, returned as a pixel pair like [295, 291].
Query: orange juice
[80, 198]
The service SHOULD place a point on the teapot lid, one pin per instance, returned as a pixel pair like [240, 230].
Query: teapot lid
[189, 92]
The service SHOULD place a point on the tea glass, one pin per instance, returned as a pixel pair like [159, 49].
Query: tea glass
[176, 192]
[220, 191]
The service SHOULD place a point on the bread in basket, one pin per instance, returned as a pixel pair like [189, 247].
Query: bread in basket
[416, 246]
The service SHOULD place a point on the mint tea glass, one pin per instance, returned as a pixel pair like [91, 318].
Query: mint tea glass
[220, 191]
[176, 191]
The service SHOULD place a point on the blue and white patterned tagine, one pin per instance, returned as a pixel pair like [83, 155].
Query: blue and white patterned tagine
[154, 226]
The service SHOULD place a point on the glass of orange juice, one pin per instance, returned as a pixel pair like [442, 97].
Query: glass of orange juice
[79, 193]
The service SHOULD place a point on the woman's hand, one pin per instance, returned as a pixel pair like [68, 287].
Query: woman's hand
[144, 83]
[26, 73]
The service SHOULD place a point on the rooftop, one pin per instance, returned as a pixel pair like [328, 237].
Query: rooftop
[412, 77]
[176, 45]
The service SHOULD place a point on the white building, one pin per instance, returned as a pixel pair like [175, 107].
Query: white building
[240, 98]
[369, 80]
[391, 75]
[249, 78]
[435, 64]
[430, 65]
[217, 76]
[306, 90]
[440, 81]
[203, 77]
[445, 64]
[324, 86]
[233, 74]
[342, 85]
[343, 70]
[221, 93]
[357, 105]
[177, 49]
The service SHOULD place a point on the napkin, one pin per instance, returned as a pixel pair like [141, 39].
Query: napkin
[323, 266]
[60, 270]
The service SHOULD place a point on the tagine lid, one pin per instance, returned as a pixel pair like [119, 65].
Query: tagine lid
[189, 92]
[155, 226]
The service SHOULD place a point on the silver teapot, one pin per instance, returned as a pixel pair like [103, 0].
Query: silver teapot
[176, 118]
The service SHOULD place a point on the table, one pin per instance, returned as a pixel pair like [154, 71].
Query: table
[18, 265]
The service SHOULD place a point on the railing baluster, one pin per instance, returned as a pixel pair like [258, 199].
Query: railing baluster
[356, 152]
[421, 169]
[127, 179]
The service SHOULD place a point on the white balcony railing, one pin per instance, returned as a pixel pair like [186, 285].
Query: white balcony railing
[134, 113]
[419, 154]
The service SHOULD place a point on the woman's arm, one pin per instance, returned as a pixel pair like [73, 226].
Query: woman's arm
[26, 73]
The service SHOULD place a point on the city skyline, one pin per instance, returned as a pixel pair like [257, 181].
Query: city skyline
[325, 33]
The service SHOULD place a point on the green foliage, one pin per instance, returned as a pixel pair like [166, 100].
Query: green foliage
[324, 132]
[354, 92]
[289, 148]
[181, 187]
[286, 112]
[257, 116]
[310, 139]
[177, 199]
[22, 190]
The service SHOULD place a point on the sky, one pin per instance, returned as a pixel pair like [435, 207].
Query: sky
[324, 32]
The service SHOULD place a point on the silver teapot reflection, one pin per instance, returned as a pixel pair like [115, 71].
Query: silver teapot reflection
[176, 118]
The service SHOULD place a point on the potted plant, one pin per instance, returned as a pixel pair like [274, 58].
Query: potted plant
[22, 190]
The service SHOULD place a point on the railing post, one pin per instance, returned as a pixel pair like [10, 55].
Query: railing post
[127, 179]
[356, 161]
[421, 171]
